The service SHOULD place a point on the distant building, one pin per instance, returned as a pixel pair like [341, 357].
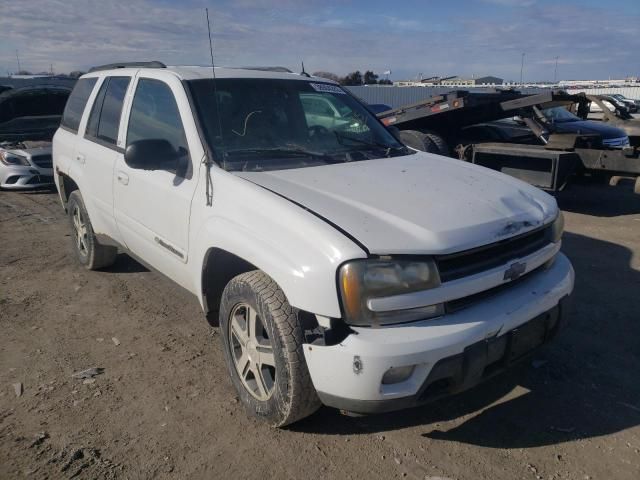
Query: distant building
[457, 82]
[453, 81]
[598, 83]
[488, 80]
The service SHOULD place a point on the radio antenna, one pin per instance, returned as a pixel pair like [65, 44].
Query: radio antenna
[303, 73]
[209, 161]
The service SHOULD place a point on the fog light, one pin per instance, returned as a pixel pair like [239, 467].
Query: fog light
[397, 374]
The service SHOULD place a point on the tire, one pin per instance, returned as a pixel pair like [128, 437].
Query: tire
[418, 140]
[438, 141]
[266, 363]
[88, 250]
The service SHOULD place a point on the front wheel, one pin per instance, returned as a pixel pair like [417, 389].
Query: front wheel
[262, 341]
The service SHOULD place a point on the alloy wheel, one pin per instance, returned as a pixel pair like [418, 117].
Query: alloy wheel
[252, 351]
[81, 231]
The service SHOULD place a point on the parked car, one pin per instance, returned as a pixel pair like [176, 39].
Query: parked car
[556, 120]
[631, 105]
[342, 267]
[604, 103]
[29, 116]
[561, 120]
[616, 103]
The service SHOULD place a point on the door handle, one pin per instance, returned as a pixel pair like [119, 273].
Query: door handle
[123, 178]
[80, 158]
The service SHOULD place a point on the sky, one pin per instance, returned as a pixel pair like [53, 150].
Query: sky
[593, 39]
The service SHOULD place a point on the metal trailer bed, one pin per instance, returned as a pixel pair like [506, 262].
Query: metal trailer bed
[548, 165]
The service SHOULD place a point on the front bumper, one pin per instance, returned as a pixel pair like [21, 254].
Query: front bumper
[450, 354]
[20, 177]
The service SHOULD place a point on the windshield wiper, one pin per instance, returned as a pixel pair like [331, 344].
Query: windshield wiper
[274, 152]
[388, 148]
[288, 151]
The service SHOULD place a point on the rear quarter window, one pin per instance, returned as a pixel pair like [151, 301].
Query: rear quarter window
[77, 101]
[104, 120]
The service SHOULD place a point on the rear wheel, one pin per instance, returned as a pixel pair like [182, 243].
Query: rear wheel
[262, 341]
[89, 251]
[425, 141]
[438, 141]
[418, 140]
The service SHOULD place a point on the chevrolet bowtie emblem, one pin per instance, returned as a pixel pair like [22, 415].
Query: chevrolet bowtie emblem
[514, 271]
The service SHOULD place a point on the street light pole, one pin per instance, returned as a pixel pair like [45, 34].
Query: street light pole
[555, 73]
[18, 59]
[521, 68]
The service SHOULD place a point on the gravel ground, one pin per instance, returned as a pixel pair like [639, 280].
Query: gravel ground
[164, 407]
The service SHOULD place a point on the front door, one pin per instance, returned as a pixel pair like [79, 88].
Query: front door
[152, 206]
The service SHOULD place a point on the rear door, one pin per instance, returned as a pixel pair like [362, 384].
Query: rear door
[98, 150]
[64, 141]
[152, 207]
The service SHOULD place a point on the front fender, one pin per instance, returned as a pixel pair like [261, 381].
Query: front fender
[300, 251]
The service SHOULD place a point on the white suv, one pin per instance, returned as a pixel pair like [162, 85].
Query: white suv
[341, 267]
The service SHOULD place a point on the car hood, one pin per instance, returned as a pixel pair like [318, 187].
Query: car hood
[415, 204]
[587, 126]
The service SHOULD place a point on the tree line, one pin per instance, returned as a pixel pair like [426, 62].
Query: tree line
[355, 78]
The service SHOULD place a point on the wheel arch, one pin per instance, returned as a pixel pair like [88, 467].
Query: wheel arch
[219, 266]
[66, 185]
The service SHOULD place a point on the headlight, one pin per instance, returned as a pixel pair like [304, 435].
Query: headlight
[9, 158]
[557, 228]
[362, 280]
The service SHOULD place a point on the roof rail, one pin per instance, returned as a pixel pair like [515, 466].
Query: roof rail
[112, 66]
[265, 69]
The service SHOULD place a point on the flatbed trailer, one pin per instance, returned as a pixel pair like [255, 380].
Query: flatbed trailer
[437, 123]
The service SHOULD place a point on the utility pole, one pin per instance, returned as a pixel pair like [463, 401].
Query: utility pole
[555, 73]
[521, 68]
[18, 59]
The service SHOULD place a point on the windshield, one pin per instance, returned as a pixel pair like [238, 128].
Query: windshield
[267, 124]
[559, 115]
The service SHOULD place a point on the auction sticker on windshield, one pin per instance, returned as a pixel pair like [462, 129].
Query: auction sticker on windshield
[326, 87]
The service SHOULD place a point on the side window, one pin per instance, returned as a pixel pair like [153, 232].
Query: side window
[76, 103]
[104, 120]
[155, 115]
[94, 116]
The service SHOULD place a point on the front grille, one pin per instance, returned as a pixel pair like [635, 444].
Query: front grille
[470, 262]
[43, 161]
[453, 306]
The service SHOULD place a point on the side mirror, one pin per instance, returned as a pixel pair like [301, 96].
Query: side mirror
[151, 154]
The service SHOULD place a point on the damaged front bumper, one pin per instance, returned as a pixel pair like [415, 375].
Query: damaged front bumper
[444, 355]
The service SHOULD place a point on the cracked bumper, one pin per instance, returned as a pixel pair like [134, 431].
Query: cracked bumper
[450, 354]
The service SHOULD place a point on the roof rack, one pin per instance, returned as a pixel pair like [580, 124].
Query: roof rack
[112, 66]
[265, 69]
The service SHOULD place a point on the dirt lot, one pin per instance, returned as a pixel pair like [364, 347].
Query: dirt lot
[164, 407]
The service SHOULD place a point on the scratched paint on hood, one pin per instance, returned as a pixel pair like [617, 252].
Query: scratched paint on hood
[417, 204]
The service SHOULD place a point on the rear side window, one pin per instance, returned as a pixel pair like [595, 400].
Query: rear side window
[155, 115]
[76, 103]
[104, 120]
